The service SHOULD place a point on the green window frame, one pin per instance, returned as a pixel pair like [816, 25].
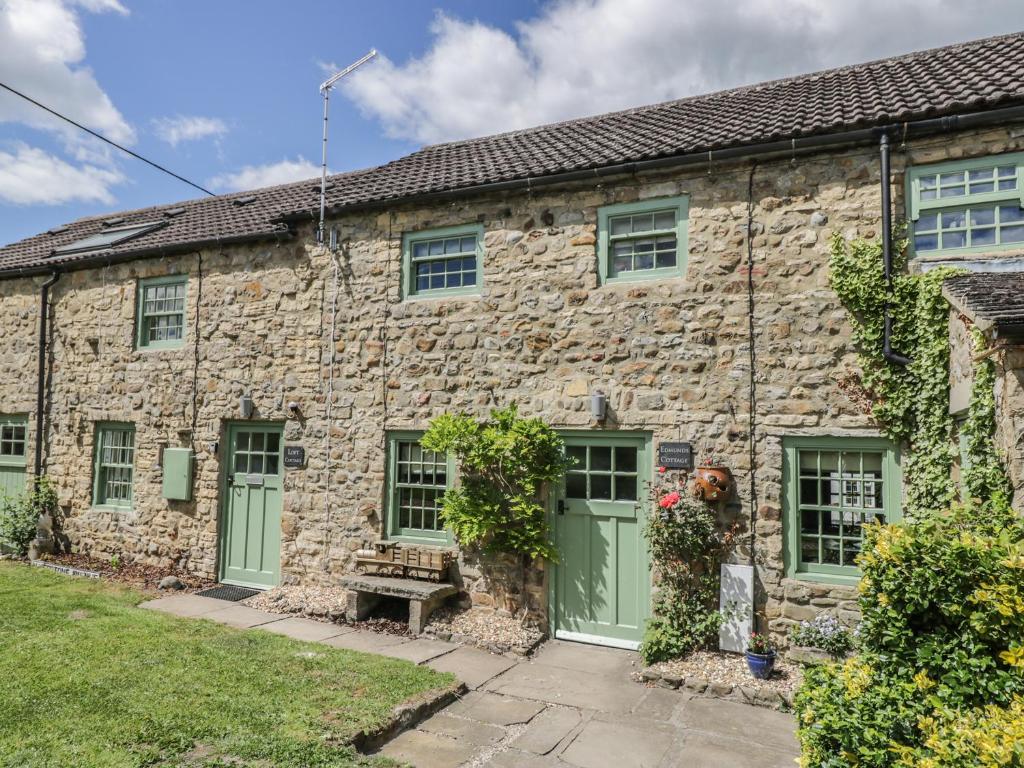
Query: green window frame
[416, 481]
[162, 312]
[443, 262]
[114, 465]
[643, 241]
[831, 487]
[967, 206]
[13, 441]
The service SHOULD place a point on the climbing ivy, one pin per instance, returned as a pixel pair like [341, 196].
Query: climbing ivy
[984, 476]
[911, 403]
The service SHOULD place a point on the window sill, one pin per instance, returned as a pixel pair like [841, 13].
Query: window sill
[454, 294]
[108, 508]
[826, 578]
[642, 277]
[420, 541]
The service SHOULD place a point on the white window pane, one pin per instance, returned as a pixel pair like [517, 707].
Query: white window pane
[665, 220]
[1013, 234]
[927, 222]
[620, 225]
[983, 217]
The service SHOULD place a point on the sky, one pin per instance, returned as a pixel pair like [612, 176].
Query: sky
[225, 92]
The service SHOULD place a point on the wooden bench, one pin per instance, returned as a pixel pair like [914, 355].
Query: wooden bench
[424, 597]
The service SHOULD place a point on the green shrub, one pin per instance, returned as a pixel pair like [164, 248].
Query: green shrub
[504, 464]
[20, 514]
[942, 637]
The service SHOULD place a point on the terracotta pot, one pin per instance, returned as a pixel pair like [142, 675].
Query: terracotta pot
[713, 483]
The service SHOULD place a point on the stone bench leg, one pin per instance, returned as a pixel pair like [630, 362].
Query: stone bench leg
[360, 604]
[419, 613]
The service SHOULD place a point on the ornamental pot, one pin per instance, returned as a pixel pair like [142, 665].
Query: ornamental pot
[712, 483]
[761, 664]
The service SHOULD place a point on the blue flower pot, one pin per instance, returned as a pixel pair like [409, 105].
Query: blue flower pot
[761, 664]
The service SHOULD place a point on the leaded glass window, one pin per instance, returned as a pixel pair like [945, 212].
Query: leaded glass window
[642, 240]
[443, 262]
[115, 462]
[967, 206]
[162, 312]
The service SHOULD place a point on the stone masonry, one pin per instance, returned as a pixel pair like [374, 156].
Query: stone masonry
[673, 355]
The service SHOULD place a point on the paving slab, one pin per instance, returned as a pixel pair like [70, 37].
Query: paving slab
[704, 751]
[366, 641]
[498, 710]
[591, 659]
[659, 704]
[186, 606]
[743, 722]
[419, 651]
[306, 629]
[513, 758]
[428, 750]
[472, 666]
[603, 744]
[241, 616]
[547, 730]
[569, 687]
[480, 734]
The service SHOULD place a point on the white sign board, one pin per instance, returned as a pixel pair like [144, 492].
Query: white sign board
[737, 605]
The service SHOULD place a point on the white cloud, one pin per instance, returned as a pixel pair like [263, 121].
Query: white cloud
[256, 176]
[30, 176]
[42, 50]
[174, 130]
[584, 57]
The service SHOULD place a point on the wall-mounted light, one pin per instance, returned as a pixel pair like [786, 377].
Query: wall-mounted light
[245, 406]
[598, 405]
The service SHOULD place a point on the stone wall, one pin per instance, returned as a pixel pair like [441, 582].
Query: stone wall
[673, 356]
[1010, 418]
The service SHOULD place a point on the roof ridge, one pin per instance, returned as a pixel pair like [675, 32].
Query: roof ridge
[764, 84]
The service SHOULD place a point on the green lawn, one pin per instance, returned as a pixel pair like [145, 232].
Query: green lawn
[87, 680]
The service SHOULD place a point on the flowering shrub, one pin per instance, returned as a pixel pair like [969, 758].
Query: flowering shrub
[939, 680]
[824, 632]
[760, 644]
[685, 544]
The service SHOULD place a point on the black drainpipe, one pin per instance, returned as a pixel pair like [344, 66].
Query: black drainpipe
[887, 352]
[44, 312]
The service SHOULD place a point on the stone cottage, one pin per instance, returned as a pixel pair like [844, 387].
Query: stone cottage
[210, 387]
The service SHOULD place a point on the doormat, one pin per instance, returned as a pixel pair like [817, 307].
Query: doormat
[67, 570]
[228, 592]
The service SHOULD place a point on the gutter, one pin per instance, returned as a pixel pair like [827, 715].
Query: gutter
[107, 258]
[782, 148]
[44, 312]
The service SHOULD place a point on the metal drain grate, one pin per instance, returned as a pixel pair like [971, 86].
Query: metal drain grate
[228, 592]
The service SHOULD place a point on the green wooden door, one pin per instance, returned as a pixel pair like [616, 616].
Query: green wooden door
[602, 588]
[13, 443]
[250, 547]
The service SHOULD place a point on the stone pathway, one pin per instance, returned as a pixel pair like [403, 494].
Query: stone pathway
[570, 706]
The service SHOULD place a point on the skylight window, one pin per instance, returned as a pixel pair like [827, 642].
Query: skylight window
[107, 238]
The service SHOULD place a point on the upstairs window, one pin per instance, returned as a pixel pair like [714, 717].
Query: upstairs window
[161, 312]
[638, 241]
[833, 486]
[967, 206]
[417, 479]
[442, 262]
[115, 465]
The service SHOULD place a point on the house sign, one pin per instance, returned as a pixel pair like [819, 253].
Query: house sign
[294, 456]
[675, 455]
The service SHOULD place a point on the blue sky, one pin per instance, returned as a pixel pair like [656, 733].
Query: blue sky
[225, 91]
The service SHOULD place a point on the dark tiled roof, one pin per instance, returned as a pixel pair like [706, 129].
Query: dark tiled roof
[990, 299]
[962, 78]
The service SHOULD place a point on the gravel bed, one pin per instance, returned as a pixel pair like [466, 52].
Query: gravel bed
[488, 629]
[725, 675]
[327, 603]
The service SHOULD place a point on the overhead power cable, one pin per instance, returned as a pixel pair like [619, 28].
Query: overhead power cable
[101, 137]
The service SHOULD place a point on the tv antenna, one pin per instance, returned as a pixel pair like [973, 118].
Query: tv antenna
[325, 91]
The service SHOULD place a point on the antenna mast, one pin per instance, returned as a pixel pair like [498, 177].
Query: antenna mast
[325, 91]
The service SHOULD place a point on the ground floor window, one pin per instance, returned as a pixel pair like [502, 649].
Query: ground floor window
[115, 465]
[417, 479]
[832, 487]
